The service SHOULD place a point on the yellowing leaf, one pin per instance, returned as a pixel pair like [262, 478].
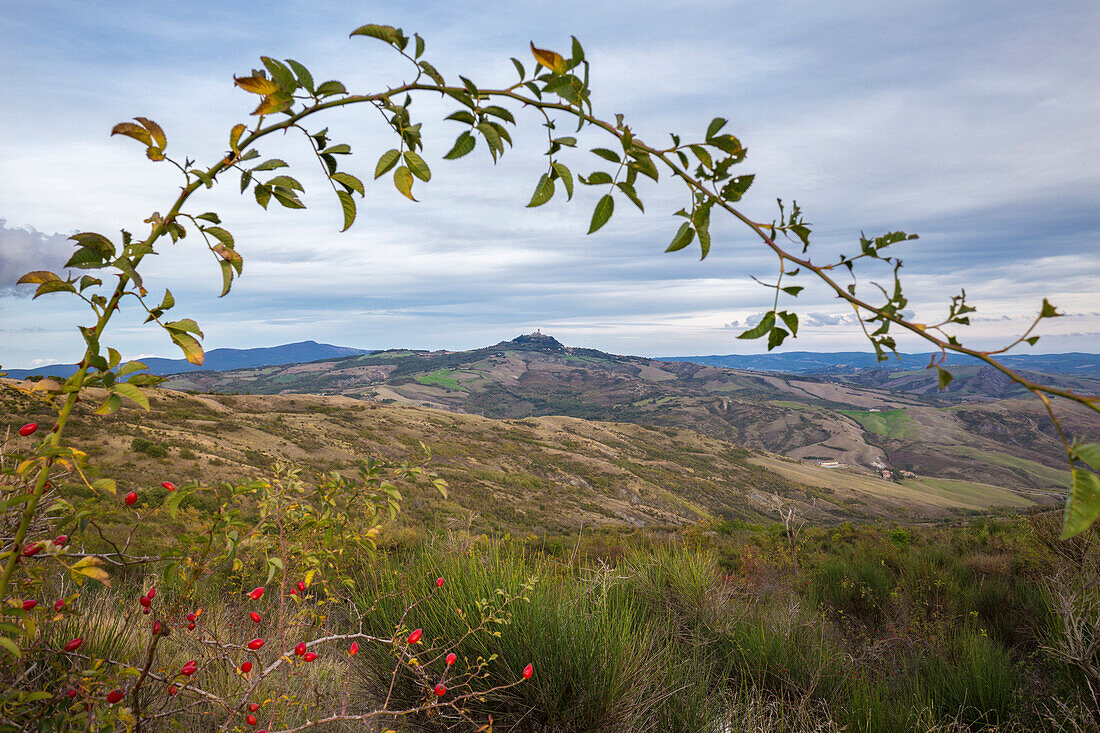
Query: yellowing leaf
[137, 132]
[549, 59]
[46, 385]
[256, 85]
[154, 130]
[403, 180]
[272, 103]
[38, 276]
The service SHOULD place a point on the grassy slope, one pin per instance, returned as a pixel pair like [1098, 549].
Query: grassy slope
[545, 474]
[1002, 443]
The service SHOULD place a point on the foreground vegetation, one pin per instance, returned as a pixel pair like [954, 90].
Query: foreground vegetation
[720, 627]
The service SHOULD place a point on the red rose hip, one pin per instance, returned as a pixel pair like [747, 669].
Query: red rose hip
[168, 485]
[415, 636]
[451, 659]
[440, 690]
[28, 429]
[255, 644]
[73, 645]
[131, 498]
[246, 667]
[114, 696]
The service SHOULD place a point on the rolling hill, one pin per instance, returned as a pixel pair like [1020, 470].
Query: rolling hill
[1008, 443]
[543, 474]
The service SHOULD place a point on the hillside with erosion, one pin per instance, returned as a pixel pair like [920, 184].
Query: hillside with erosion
[545, 474]
[814, 420]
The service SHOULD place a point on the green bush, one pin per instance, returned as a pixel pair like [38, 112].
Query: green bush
[148, 447]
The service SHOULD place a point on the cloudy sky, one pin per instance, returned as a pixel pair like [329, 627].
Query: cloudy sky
[973, 124]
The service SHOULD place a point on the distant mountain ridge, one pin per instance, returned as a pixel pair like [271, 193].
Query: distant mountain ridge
[845, 362]
[218, 360]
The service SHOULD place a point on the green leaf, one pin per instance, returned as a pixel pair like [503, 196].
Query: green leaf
[1083, 504]
[222, 235]
[403, 180]
[1089, 453]
[793, 290]
[544, 191]
[607, 154]
[462, 115]
[175, 498]
[285, 182]
[270, 165]
[350, 182]
[684, 235]
[348, 205]
[341, 149]
[791, 319]
[566, 177]
[287, 198]
[631, 194]
[776, 337]
[10, 647]
[433, 73]
[388, 160]
[596, 178]
[492, 138]
[54, 286]
[281, 74]
[500, 112]
[943, 377]
[1048, 310]
[765, 326]
[304, 77]
[112, 403]
[645, 166]
[604, 208]
[1032, 340]
[130, 367]
[386, 33]
[736, 188]
[715, 127]
[263, 194]
[464, 143]
[331, 87]
[132, 393]
[703, 156]
[729, 144]
[417, 165]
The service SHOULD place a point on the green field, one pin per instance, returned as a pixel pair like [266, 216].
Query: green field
[891, 423]
[441, 378]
